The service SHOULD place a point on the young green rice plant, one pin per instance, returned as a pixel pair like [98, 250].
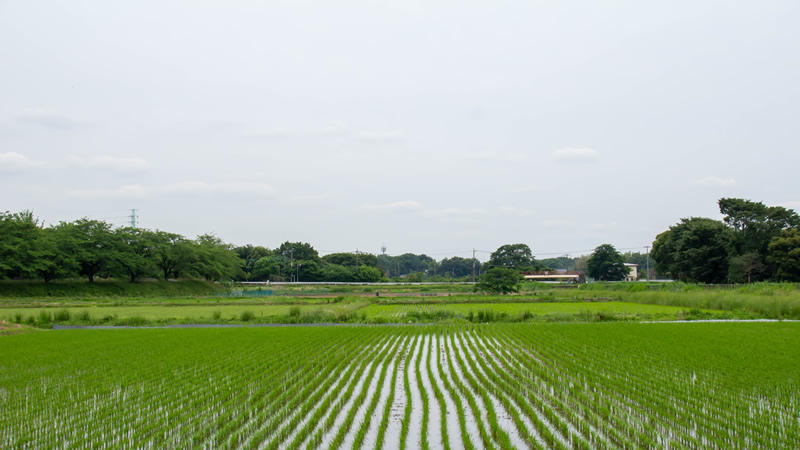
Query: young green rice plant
[423, 395]
[439, 396]
[407, 386]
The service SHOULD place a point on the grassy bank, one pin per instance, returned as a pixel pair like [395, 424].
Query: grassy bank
[771, 300]
[108, 289]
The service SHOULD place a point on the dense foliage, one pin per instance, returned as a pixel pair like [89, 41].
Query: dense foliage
[92, 248]
[606, 264]
[499, 280]
[753, 242]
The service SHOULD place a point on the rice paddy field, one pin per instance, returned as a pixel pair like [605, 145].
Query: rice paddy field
[501, 385]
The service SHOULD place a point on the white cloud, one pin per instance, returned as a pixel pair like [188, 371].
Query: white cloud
[128, 191]
[230, 187]
[123, 164]
[715, 181]
[576, 155]
[52, 120]
[392, 206]
[558, 223]
[524, 189]
[185, 187]
[13, 161]
[377, 135]
[516, 211]
[492, 155]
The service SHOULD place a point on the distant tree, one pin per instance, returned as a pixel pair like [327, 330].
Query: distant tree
[755, 225]
[561, 262]
[457, 267]
[606, 264]
[97, 247]
[499, 280]
[55, 253]
[513, 256]
[368, 274]
[298, 251]
[267, 268]
[405, 264]
[336, 272]
[694, 250]
[352, 259]
[173, 254]
[249, 254]
[134, 255]
[19, 234]
[742, 267]
[214, 259]
[785, 255]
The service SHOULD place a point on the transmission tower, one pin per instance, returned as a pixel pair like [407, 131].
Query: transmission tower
[133, 218]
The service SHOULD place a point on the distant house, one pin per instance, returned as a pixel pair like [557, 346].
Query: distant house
[633, 272]
[555, 276]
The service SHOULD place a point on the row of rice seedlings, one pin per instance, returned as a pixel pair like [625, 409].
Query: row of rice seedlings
[694, 424]
[506, 374]
[489, 377]
[261, 414]
[540, 379]
[629, 414]
[454, 396]
[300, 404]
[342, 402]
[332, 397]
[467, 394]
[358, 441]
[407, 387]
[445, 441]
[497, 432]
[227, 427]
[423, 395]
[358, 402]
[387, 410]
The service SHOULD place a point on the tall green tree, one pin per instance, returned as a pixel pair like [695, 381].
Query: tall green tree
[214, 259]
[785, 255]
[55, 253]
[96, 247]
[694, 250]
[172, 253]
[606, 264]
[499, 280]
[513, 256]
[458, 267]
[19, 234]
[134, 257]
[754, 225]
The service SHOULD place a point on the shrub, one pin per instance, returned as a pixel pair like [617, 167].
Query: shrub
[61, 315]
[247, 316]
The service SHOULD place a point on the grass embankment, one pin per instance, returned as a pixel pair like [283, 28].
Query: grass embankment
[770, 300]
[108, 289]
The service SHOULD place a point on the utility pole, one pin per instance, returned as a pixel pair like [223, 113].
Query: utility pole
[356, 258]
[133, 218]
[291, 262]
[647, 258]
[473, 265]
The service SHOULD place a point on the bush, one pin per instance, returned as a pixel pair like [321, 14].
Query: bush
[247, 316]
[216, 315]
[62, 315]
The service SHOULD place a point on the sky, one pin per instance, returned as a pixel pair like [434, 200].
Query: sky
[426, 126]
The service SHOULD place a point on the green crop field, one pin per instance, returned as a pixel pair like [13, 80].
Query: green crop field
[399, 311]
[711, 385]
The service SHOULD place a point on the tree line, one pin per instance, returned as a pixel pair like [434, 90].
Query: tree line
[94, 249]
[753, 242]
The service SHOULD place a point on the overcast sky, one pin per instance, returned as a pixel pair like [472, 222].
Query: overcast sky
[429, 126]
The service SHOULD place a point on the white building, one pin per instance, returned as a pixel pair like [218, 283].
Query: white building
[633, 272]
